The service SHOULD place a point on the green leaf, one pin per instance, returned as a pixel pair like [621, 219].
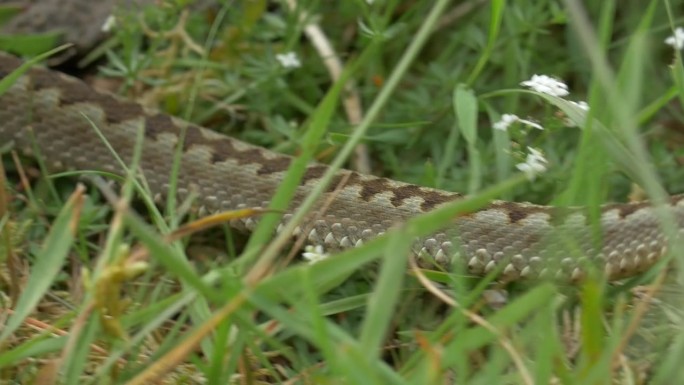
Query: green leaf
[465, 107]
[30, 45]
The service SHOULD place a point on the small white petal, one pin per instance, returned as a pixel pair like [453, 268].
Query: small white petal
[288, 60]
[535, 154]
[531, 124]
[108, 24]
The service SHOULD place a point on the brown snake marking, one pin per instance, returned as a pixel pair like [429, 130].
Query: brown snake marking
[529, 240]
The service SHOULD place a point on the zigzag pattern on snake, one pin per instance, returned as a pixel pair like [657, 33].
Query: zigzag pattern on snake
[45, 109]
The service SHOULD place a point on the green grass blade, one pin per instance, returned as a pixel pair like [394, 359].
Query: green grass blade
[49, 262]
[496, 16]
[168, 255]
[75, 363]
[37, 347]
[382, 303]
[7, 81]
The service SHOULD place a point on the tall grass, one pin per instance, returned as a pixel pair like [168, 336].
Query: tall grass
[109, 293]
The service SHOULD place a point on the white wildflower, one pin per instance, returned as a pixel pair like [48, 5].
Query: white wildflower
[288, 60]
[508, 119]
[108, 24]
[582, 105]
[676, 40]
[505, 122]
[547, 85]
[534, 164]
[314, 254]
[370, 2]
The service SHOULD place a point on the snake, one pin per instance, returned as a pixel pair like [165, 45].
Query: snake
[50, 114]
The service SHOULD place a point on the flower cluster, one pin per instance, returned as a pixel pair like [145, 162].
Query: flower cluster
[314, 254]
[288, 60]
[547, 85]
[534, 163]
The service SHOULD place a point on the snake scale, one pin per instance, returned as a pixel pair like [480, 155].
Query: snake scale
[47, 110]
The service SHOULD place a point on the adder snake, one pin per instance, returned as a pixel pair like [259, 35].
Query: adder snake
[46, 109]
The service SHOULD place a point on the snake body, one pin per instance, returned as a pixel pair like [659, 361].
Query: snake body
[55, 113]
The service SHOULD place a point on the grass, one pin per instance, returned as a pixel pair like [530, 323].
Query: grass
[103, 289]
